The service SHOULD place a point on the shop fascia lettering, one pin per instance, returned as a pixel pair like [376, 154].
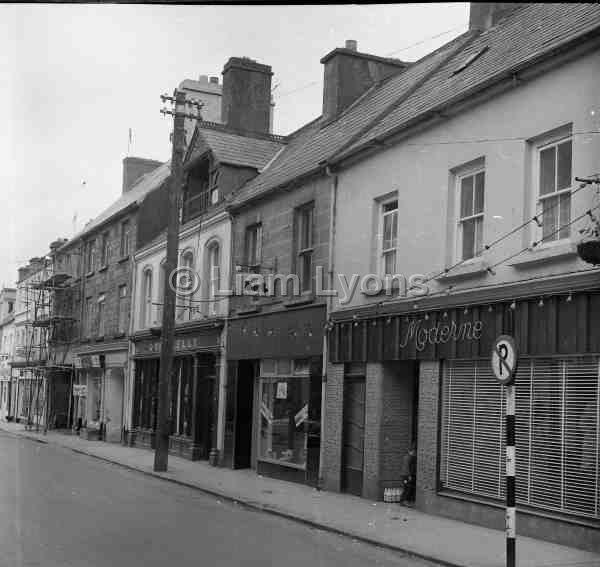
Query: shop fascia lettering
[440, 333]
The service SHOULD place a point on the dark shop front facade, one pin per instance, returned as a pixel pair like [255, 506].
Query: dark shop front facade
[193, 389]
[404, 375]
[273, 403]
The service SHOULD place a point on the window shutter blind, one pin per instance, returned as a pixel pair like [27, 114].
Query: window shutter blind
[558, 433]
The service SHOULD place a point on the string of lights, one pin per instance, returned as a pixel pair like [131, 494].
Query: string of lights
[449, 289]
[535, 218]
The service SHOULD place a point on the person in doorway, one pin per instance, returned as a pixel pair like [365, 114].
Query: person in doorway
[408, 475]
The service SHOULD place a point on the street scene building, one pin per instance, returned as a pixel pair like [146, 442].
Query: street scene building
[340, 292]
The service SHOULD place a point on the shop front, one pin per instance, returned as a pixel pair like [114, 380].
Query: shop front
[273, 404]
[427, 379]
[98, 394]
[193, 392]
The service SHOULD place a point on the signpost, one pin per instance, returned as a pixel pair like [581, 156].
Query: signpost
[504, 366]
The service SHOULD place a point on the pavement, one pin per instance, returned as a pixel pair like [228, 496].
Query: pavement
[415, 534]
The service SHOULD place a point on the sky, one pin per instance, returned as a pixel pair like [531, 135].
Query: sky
[75, 78]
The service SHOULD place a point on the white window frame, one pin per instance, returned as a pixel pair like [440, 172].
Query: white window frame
[101, 315]
[458, 252]
[381, 252]
[146, 298]
[542, 144]
[214, 280]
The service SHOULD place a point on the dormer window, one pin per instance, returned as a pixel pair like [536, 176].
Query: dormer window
[199, 193]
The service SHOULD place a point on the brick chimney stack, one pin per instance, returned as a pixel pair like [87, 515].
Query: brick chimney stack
[134, 168]
[349, 73]
[246, 101]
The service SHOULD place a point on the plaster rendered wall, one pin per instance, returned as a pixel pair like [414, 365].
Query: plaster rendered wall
[419, 172]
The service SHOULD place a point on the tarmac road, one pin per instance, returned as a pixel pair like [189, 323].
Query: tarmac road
[62, 509]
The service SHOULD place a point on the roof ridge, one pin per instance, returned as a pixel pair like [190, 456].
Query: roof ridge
[470, 36]
[217, 126]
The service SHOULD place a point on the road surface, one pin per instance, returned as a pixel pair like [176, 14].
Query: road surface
[63, 509]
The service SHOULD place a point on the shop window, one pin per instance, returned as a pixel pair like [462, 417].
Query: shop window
[388, 240]
[304, 243]
[94, 398]
[284, 399]
[470, 191]
[181, 400]
[557, 429]
[554, 177]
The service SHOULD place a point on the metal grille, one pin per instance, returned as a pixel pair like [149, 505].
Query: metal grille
[558, 433]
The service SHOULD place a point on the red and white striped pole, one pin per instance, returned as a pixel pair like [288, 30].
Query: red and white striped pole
[511, 485]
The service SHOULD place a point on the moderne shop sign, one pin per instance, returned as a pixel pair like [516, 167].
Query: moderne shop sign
[439, 333]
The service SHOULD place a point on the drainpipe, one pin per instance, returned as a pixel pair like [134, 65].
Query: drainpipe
[330, 278]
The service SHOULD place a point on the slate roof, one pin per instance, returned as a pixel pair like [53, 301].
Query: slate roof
[522, 36]
[147, 183]
[233, 148]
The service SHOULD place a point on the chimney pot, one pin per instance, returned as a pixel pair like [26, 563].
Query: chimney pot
[214, 80]
[352, 44]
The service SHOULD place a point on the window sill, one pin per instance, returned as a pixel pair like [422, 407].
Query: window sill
[282, 463]
[545, 253]
[119, 335]
[84, 340]
[123, 259]
[103, 268]
[89, 274]
[249, 311]
[305, 300]
[475, 267]
[99, 339]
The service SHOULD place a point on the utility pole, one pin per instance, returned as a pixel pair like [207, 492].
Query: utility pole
[161, 454]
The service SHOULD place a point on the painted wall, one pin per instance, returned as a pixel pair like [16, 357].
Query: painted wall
[196, 237]
[419, 171]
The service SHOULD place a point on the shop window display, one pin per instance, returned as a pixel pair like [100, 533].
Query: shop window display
[284, 398]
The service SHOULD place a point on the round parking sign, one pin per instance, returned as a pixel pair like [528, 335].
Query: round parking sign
[504, 359]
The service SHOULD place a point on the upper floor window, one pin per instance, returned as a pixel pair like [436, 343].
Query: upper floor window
[214, 278]
[185, 290]
[104, 250]
[122, 310]
[125, 238]
[554, 188]
[146, 306]
[162, 276]
[389, 237]
[304, 239]
[10, 306]
[471, 189]
[88, 313]
[100, 313]
[254, 246]
[89, 256]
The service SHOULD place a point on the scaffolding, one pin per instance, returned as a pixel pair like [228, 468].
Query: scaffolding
[48, 300]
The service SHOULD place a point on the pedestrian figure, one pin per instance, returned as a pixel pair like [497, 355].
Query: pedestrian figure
[408, 475]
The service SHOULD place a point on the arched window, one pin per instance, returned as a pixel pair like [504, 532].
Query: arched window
[146, 307]
[162, 277]
[214, 277]
[186, 286]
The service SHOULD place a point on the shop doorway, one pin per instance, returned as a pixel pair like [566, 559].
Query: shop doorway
[353, 435]
[244, 413]
[113, 405]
